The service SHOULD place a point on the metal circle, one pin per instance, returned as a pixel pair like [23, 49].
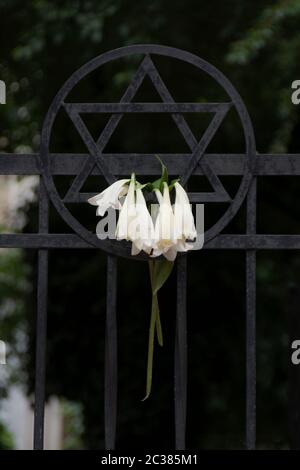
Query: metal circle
[123, 248]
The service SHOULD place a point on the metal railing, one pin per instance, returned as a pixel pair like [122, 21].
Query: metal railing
[248, 165]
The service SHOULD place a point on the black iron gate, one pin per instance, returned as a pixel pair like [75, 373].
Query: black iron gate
[248, 165]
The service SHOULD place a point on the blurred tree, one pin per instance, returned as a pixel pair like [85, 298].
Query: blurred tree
[6, 441]
[13, 289]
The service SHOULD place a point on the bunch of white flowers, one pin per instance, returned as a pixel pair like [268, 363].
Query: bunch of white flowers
[164, 231]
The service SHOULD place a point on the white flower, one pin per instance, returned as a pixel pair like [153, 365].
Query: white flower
[164, 233]
[126, 228]
[174, 226]
[110, 197]
[184, 220]
[164, 227]
[143, 230]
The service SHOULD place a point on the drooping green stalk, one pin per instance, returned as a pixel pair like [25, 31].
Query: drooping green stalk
[160, 270]
[155, 306]
[153, 322]
[158, 322]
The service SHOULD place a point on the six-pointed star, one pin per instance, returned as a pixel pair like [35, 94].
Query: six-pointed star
[198, 157]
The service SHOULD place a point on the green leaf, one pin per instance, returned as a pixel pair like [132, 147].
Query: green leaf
[155, 300]
[159, 332]
[159, 183]
[154, 324]
[173, 182]
[164, 172]
[143, 186]
[151, 349]
[161, 271]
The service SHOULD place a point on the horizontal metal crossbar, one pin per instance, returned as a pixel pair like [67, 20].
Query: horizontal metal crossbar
[193, 197]
[135, 107]
[221, 242]
[122, 164]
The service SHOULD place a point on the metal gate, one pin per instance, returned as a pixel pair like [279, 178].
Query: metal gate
[248, 166]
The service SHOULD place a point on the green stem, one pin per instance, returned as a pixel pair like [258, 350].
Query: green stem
[152, 269]
[158, 322]
[159, 273]
[151, 346]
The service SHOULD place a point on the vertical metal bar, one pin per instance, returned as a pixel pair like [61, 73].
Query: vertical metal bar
[181, 354]
[251, 323]
[41, 324]
[111, 359]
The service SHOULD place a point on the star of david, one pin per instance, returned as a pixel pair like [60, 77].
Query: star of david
[167, 105]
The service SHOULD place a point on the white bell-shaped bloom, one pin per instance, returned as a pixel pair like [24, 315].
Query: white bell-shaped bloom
[110, 197]
[164, 225]
[126, 227]
[143, 228]
[175, 226]
[184, 224]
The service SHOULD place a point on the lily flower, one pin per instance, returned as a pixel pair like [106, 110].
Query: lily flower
[174, 226]
[110, 197]
[144, 228]
[184, 220]
[164, 226]
[126, 228]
